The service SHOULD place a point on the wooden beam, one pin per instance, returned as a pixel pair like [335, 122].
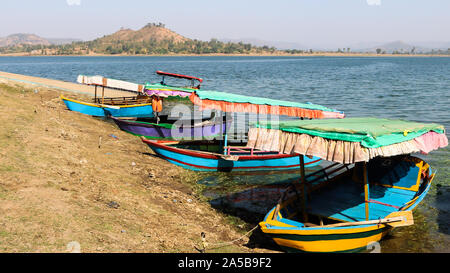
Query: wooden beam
[103, 94]
[303, 187]
[225, 134]
[395, 219]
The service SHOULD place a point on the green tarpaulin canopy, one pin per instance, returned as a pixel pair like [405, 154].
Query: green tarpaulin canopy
[370, 132]
[235, 98]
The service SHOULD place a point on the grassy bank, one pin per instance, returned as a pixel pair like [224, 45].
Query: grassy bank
[58, 185]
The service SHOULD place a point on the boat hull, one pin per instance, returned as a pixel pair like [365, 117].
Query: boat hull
[339, 239]
[138, 110]
[170, 132]
[198, 161]
[294, 236]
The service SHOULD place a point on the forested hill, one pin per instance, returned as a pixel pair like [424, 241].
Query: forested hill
[151, 39]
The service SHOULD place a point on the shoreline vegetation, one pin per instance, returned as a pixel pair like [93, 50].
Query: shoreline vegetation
[69, 179]
[156, 40]
[314, 54]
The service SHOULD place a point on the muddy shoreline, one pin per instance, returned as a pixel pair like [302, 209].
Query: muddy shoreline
[58, 185]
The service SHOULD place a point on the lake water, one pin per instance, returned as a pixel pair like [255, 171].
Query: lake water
[416, 89]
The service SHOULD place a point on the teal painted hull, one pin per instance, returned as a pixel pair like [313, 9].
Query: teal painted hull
[198, 161]
[140, 111]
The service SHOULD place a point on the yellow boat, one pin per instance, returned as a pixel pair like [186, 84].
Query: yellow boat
[372, 186]
[336, 209]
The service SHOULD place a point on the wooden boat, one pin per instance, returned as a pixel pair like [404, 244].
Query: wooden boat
[117, 107]
[333, 210]
[201, 156]
[209, 156]
[342, 201]
[173, 130]
[140, 105]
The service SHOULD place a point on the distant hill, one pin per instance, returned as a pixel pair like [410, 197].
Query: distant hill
[32, 39]
[23, 39]
[158, 33]
[395, 47]
[155, 39]
[151, 39]
[434, 45]
[62, 41]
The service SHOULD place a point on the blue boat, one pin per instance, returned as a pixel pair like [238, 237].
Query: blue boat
[215, 156]
[201, 156]
[139, 110]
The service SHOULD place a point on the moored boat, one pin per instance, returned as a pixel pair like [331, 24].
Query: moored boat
[371, 188]
[217, 156]
[139, 105]
[175, 130]
[209, 156]
[118, 109]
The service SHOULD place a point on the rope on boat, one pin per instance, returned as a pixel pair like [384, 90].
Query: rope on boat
[214, 246]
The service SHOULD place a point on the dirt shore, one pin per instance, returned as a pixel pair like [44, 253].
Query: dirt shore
[67, 177]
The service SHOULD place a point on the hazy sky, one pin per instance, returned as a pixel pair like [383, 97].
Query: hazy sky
[309, 22]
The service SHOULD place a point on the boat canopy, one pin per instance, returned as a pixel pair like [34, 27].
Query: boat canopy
[180, 76]
[348, 140]
[229, 102]
[163, 90]
[110, 83]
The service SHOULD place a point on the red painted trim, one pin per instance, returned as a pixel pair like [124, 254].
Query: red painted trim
[315, 161]
[195, 154]
[178, 76]
[217, 157]
[249, 167]
[177, 150]
[381, 203]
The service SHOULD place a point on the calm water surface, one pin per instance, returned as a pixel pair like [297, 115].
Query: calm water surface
[416, 89]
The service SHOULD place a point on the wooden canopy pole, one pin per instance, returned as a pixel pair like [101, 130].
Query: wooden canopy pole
[303, 187]
[103, 94]
[225, 141]
[366, 190]
[95, 96]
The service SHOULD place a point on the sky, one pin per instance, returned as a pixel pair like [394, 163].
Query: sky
[314, 23]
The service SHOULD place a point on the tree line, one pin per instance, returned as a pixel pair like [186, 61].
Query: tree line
[149, 47]
[154, 47]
